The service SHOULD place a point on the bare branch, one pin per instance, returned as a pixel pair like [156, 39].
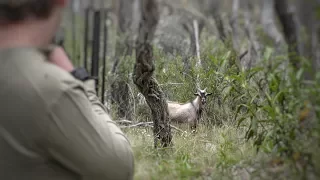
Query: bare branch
[166, 84]
[148, 124]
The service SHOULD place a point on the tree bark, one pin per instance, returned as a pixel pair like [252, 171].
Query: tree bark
[290, 30]
[214, 11]
[194, 37]
[219, 23]
[235, 25]
[192, 49]
[143, 74]
[236, 41]
[269, 25]
[119, 88]
[125, 34]
[254, 48]
[307, 13]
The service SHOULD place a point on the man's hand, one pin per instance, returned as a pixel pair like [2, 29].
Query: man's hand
[60, 58]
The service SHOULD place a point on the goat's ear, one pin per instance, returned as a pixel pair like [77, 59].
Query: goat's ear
[208, 94]
[196, 94]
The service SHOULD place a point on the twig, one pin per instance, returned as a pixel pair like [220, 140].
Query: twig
[243, 54]
[141, 124]
[205, 141]
[123, 121]
[170, 84]
[144, 124]
[177, 129]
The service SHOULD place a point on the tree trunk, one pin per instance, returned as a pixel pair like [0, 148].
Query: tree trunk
[214, 11]
[194, 37]
[269, 25]
[290, 29]
[125, 14]
[254, 46]
[236, 40]
[119, 94]
[235, 25]
[143, 74]
[219, 23]
[307, 14]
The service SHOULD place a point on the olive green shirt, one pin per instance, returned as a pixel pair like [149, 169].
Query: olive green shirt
[53, 127]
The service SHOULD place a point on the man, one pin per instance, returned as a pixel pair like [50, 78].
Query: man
[52, 125]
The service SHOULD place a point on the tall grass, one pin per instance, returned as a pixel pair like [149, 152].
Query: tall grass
[252, 127]
[213, 152]
[260, 123]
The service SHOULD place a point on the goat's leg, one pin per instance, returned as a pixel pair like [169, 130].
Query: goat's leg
[193, 127]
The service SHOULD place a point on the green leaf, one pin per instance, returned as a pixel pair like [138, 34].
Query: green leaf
[238, 110]
[254, 71]
[299, 74]
[241, 120]
[250, 134]
[270, 111]
[254, 98]
[227, 92]
[278, 97]
[267, 54]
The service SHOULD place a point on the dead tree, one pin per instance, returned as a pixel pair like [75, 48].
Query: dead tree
[143, 74]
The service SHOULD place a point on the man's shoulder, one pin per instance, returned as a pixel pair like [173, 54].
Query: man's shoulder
[49, 80]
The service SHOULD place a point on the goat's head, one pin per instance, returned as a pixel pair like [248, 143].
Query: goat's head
[202, 95]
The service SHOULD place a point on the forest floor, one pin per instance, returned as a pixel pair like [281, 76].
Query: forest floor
[210, 153]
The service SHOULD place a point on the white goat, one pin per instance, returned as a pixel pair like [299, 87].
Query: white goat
[189, 112]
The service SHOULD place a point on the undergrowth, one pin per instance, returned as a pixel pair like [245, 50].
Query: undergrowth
[212, 153]
[260, 123]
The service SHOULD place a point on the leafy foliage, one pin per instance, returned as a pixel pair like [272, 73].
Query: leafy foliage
[271, 103]
[268, 113]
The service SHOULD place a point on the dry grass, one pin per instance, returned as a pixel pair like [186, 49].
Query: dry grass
[209, 154]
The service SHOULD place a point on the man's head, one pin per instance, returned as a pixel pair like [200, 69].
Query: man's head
[38, 18]
[202, 95]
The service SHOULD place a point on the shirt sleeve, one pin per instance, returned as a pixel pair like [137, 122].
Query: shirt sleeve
[83, 138]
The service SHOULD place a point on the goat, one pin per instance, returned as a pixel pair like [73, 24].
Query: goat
[188, 112]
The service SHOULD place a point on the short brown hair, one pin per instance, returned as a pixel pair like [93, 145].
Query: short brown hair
[18, 10]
